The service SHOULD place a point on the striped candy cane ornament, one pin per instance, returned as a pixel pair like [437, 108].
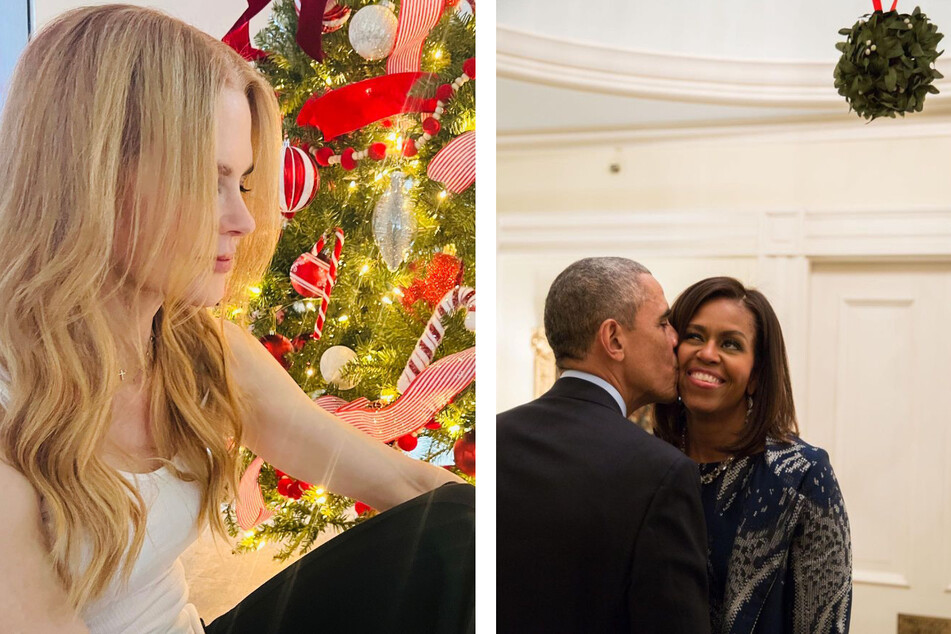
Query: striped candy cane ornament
[303, 275]
[457, 298]
[331, 280]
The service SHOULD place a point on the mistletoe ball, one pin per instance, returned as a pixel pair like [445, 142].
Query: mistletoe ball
[887, 63]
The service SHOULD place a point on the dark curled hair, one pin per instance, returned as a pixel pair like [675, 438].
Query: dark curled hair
[586, 294]
[774, 413]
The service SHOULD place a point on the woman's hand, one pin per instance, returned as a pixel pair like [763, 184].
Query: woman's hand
[288, 430]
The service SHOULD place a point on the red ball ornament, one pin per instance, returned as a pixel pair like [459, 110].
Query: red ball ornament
[432, 425]
[300, 341]
[300, 182]
[386, 123]
[295, 490]
[444, 93]
[407, 442]
[283, 486]
[360, 508]
[323, 156]
[280, 474]
[468, 67]
[409, 148]
[431, 126]
[279, 346]
[346, 159]
[378, 151]
[309, 274]
[464, 453]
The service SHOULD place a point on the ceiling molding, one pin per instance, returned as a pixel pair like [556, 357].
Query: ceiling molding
[819, 233]
[589, 67]
[837, 127]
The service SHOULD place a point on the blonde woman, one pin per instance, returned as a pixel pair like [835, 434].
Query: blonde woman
[139, 163]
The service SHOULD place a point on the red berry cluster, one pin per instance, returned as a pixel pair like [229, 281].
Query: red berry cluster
[440, 275]
[290, 487]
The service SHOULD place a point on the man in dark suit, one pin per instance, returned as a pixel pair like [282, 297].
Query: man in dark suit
[600, 526]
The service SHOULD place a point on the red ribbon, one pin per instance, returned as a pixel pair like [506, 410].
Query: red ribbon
[308, 37]
[354, 106]
[877, 5]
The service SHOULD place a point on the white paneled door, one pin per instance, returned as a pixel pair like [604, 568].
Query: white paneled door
[879, 400]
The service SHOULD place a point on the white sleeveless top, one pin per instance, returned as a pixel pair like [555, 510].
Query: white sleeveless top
[155, 601]
[156, 597]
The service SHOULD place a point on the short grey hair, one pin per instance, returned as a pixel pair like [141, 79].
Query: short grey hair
[586, 294]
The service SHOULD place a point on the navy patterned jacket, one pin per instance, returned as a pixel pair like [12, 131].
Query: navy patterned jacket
[789, 566]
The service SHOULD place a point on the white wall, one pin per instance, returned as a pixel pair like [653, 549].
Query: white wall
[761, 203]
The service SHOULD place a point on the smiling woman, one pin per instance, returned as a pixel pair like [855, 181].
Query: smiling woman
[773, 508]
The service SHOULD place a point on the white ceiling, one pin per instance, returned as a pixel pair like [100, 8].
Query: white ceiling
[772, 34]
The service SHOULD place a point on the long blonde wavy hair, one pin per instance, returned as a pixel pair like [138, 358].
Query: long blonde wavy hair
[109, 132]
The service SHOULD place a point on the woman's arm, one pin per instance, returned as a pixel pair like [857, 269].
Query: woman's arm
[288, 430]
[821, 556]
[32, 598]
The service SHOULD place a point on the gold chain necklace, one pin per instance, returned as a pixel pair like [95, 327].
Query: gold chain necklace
[149, 354]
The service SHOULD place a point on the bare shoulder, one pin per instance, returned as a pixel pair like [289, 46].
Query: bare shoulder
[242, 344]
[256, 371]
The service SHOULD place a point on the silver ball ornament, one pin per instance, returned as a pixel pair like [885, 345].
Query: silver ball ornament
[373, 31]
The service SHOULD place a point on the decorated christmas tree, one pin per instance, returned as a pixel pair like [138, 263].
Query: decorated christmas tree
[369, 302]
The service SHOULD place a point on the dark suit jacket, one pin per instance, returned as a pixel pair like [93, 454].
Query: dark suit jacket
[600, 526]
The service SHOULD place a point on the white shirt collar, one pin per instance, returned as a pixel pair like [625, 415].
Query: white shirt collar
[597, 380]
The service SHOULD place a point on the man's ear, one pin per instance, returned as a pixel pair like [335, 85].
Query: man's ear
[609, 339]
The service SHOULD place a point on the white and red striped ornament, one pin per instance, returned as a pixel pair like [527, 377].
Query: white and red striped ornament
[313, 276]
[335, 16]
[458, 298]
[300, 182]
